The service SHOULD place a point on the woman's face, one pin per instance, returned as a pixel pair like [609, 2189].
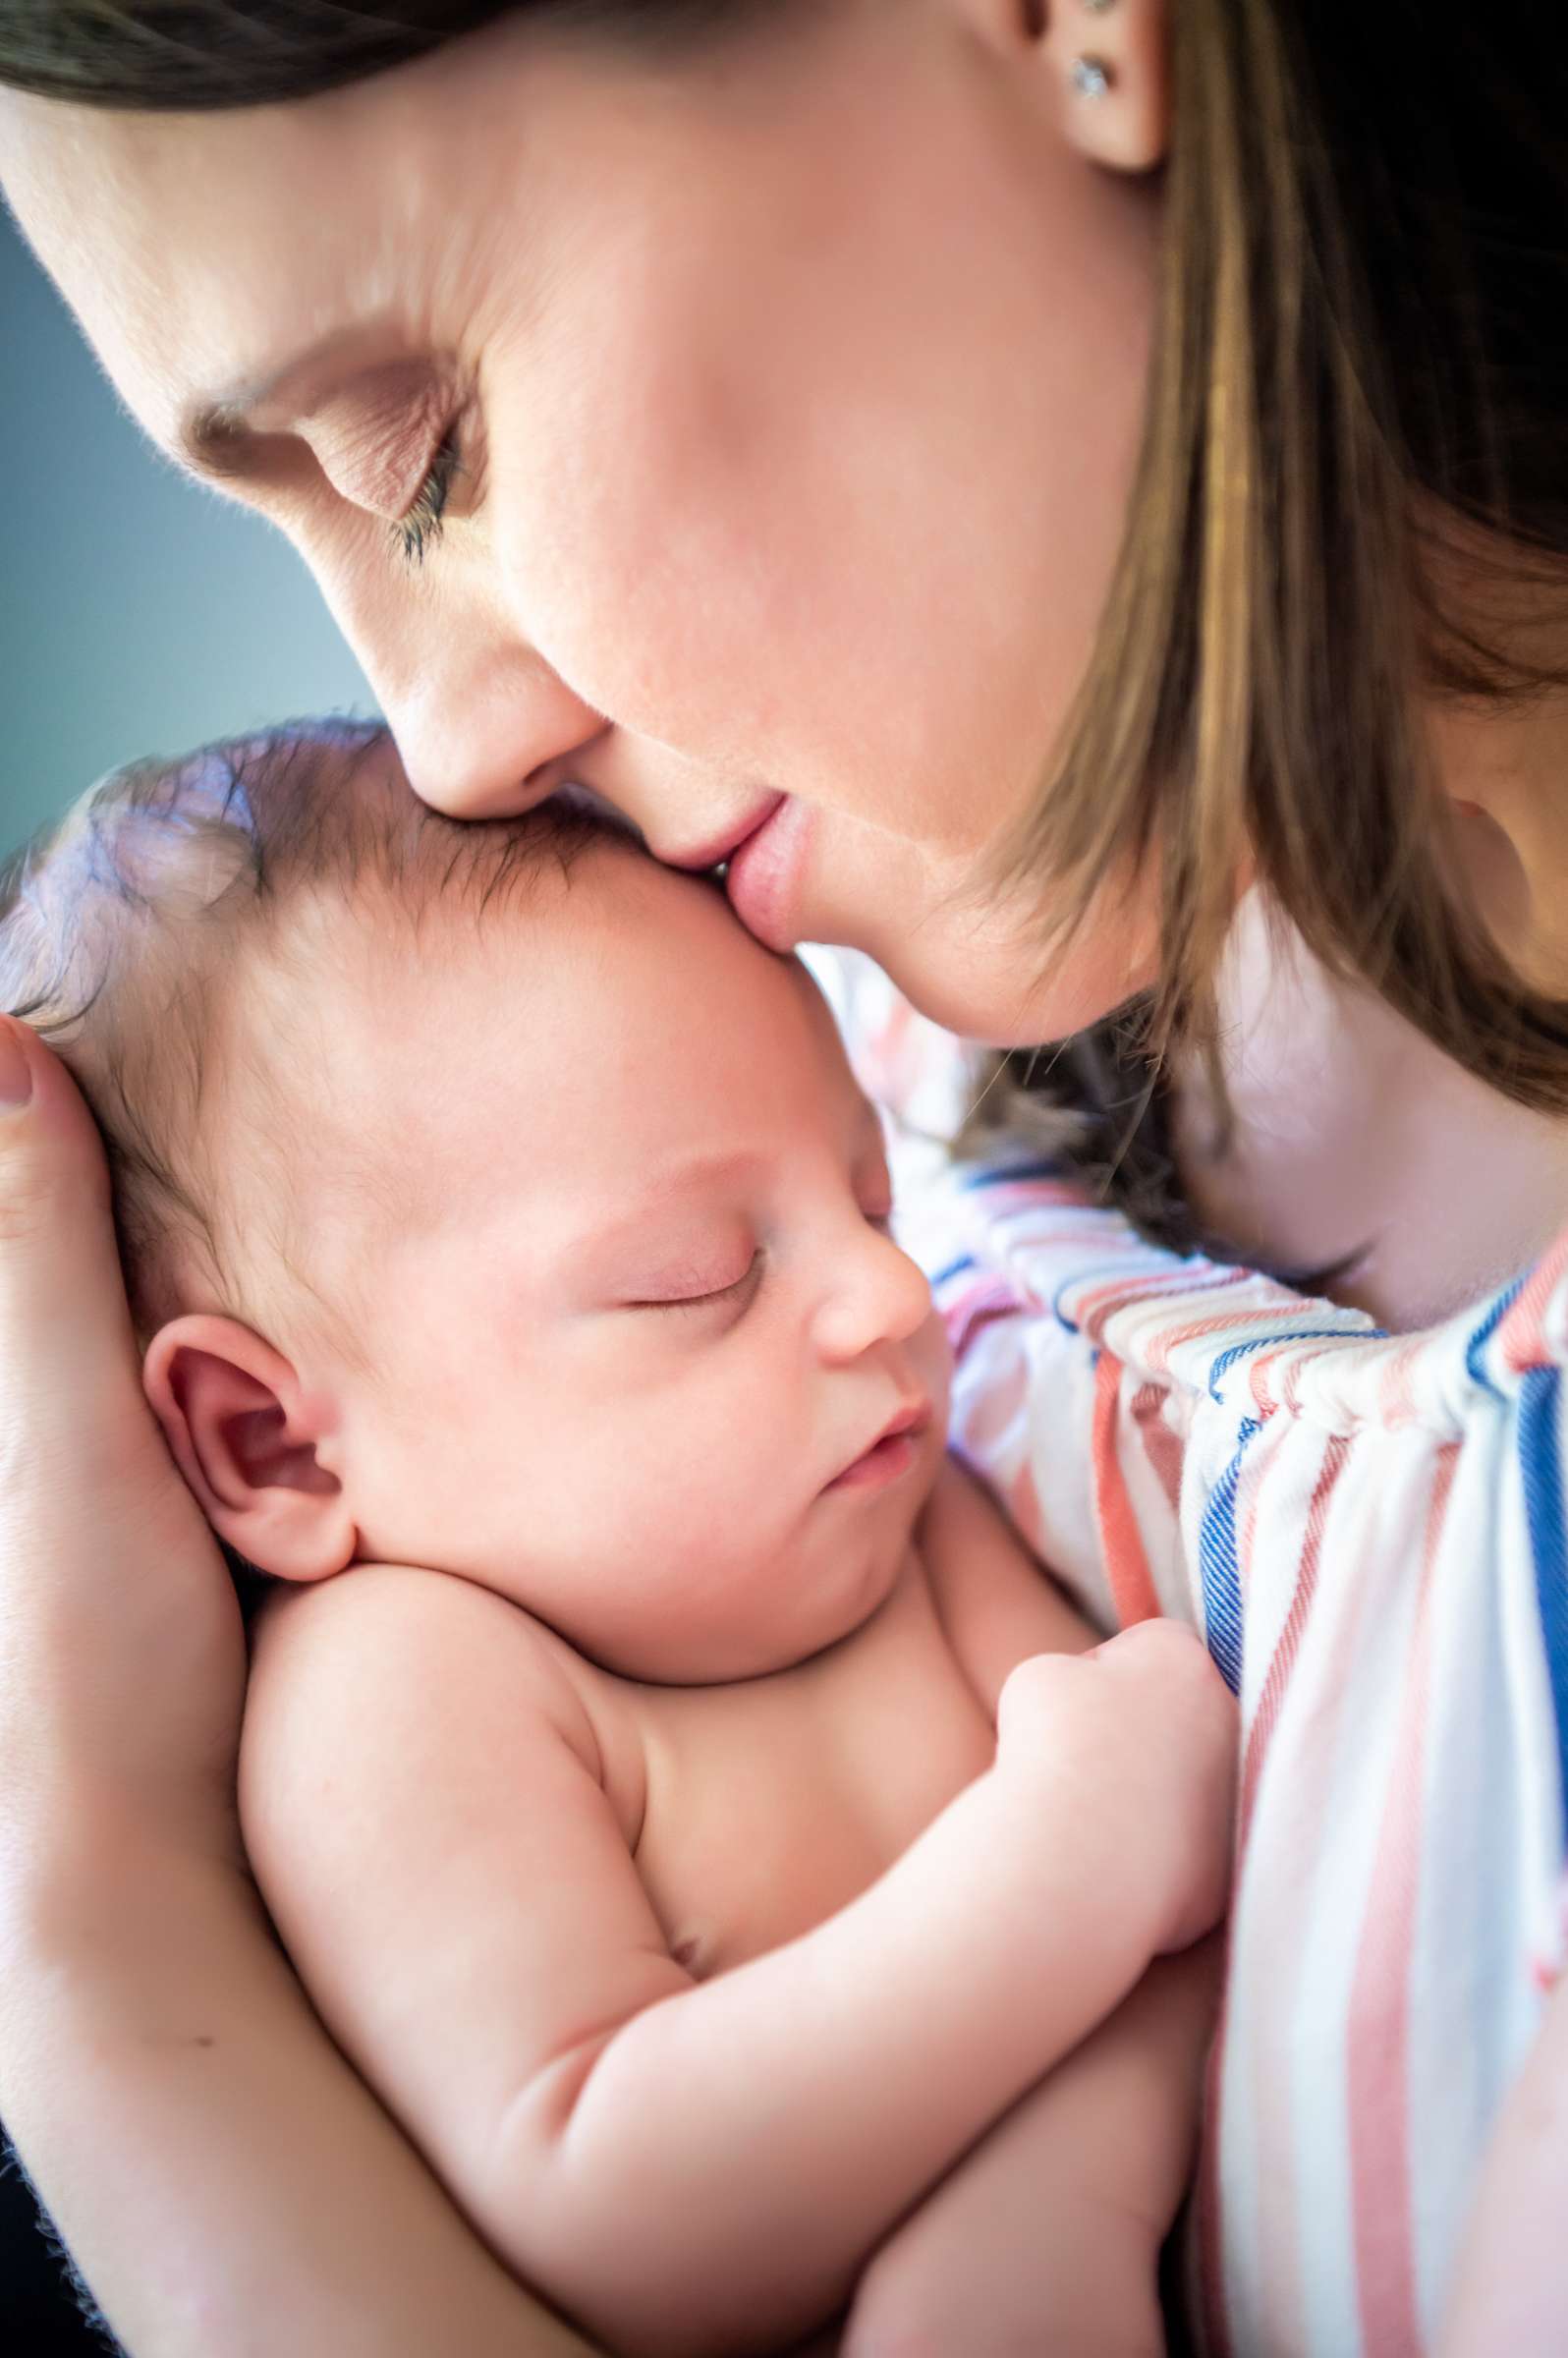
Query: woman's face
[793, 391]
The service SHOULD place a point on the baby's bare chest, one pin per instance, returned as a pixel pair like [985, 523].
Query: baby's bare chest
[768, 1807]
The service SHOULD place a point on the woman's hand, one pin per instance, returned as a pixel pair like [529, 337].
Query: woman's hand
[223, 2179]
[122, 1658]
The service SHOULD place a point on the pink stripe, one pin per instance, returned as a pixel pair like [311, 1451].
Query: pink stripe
[1259, 1374]
[1161, 1447]
[1521, 1338]
[1248, 1491]
[1236, 1321]
[1005, 1198]
[1121, 1541]
[980, 1305]
[1277, 1679]
[1095, 1304]
[1379, 2030]
[1397, 1399]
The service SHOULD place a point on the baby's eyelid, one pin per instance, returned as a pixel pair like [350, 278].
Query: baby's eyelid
[717, 1293]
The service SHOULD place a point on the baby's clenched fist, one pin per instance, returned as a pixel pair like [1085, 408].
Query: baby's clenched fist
[1140, 1735]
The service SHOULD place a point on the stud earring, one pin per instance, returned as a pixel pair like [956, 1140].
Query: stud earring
[1092, 77]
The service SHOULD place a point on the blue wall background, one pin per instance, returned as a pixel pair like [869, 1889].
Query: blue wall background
[138, 613]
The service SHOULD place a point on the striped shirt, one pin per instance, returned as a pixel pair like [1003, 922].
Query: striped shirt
[1370, 1531]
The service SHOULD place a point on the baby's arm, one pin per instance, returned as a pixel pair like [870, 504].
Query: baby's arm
[693, 2167]
[1049, 2234]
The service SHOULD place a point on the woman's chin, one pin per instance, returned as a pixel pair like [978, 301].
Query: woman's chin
[1000, 1005]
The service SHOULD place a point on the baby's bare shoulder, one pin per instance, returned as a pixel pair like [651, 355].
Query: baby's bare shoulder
[397, 1643]
[997, 1603]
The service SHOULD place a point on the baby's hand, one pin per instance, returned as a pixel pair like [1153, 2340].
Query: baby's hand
[1141, 1736]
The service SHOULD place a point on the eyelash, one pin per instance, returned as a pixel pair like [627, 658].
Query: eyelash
[421, 527]
[882, 1221]
[722, 1293]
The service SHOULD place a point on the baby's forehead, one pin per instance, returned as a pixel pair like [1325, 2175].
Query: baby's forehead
[603, 1017]
[571, 961]
[482, 1098]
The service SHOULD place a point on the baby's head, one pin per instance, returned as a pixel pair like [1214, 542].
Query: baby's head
[489, 1201]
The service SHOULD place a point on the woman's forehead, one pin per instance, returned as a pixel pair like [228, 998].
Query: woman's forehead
[207, 251]
[207, 247]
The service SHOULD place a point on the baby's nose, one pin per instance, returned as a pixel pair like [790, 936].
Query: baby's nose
[880, 1296]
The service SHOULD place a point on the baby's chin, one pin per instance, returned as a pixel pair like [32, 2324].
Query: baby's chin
[814, 1593]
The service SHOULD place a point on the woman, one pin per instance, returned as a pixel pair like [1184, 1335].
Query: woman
[1025, 474]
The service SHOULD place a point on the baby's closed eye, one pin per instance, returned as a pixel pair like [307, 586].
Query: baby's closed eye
[692, 1290]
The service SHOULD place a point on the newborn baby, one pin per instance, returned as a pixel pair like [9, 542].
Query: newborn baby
[680, 1793]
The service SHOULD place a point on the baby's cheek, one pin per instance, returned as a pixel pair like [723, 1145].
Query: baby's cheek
[730, 1495]
[932, 1353]
[709, 1482]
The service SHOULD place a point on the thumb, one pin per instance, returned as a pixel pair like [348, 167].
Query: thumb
[63, 1315]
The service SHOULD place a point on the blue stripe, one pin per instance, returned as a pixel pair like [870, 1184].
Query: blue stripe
[1484, 1334]
[1540, 1473]
[1266, 1342]
[1124, 1268]
[1217, 1566]
[954, 1268]
[1002, 1175]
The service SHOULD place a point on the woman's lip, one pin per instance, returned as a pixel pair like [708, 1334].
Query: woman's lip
[763, 876]
[723, 847]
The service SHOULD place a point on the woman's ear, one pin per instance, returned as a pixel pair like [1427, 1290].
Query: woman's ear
[1111, 62]
[1101, 68]
[248, 1442]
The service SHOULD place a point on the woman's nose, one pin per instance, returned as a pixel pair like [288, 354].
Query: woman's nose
[878, 1295]
[489, 738]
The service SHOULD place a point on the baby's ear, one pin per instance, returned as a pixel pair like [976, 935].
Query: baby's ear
[246, 1440]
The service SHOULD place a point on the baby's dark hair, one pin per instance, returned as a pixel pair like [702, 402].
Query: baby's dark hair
[132, 931]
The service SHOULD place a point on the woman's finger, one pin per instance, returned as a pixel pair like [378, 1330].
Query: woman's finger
[121, 1653]
[63, 1317]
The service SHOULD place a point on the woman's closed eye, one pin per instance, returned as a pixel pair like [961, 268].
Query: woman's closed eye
[420, 528]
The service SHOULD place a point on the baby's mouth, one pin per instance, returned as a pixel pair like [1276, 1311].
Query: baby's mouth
[893, 1451]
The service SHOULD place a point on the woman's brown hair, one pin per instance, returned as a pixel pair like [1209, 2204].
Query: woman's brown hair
[1355, 453]
[1356, 450]
[198, 56]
